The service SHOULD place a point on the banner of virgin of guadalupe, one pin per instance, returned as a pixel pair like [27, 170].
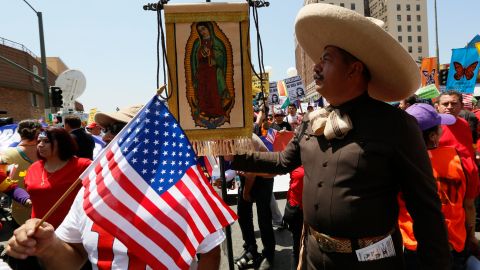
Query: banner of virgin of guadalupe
[210, 73]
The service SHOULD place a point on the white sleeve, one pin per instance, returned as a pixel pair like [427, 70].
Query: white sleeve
[70, 229]
[212, 240]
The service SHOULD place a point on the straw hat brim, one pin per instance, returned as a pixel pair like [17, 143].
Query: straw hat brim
[394, 73]
[123, 115]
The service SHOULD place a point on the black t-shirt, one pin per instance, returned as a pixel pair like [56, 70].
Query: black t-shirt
[281, 126]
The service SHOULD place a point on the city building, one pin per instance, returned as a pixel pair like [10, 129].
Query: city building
[21, 94]
[405, 20]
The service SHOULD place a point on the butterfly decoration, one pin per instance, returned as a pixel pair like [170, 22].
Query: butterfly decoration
[468, 72]
[429, 77]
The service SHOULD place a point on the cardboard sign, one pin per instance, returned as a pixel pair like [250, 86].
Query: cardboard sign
[273, 96]
[428, 92]
[295, 88]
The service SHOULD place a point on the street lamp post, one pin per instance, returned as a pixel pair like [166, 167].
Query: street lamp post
[44, 62]
[436, 37]
[46, 96]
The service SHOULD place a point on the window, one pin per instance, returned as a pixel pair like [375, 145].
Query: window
[409, 28]
[408, 7]
[399, 28]
[352, 6]
[419, 49]
[342, 4]
[35, 71]
[419, 38]
[419, 18]
[418, 7]
[419, 28]
[400, 38]
[409, 49]
[399, 17]
[409, 38]
[399, 7]
[34, 100]
[409, 18]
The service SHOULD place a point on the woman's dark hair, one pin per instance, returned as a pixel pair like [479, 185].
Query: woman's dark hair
[28, 129]
[66, 145]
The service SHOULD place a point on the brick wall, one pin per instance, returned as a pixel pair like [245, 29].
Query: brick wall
[17, 87]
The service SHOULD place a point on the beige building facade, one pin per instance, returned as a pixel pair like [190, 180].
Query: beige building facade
[405, 20]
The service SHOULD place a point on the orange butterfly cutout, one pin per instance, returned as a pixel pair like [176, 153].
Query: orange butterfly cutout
[460, 71]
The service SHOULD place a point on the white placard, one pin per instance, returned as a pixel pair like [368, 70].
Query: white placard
[382, 249]
[273, 97]
[295, 88]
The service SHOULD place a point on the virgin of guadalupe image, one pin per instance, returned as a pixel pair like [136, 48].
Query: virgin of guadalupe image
[209, 75]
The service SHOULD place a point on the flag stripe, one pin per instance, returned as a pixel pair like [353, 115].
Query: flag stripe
[99, 211]
[198, 208]
[109, 198]
[212, 207]
[227, 212]
[123, 181]
[134, 234]
[138, 188]
[135, 219]
[184, 207]
[141, 211]
[196, 190]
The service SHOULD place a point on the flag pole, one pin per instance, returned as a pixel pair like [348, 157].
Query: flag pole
[299, 104]
[228, 229]
[59, 202]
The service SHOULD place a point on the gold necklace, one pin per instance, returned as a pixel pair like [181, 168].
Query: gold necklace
[43, 178]
[45, 171]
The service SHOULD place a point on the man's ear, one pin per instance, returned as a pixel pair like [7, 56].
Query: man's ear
[356, 68]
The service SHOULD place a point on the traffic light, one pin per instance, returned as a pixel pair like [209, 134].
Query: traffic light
[57, 98]
[443, 76]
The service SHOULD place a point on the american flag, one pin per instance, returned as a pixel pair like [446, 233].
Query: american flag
[271, 133]
[467, 101]
[276, 141]
[146, 189]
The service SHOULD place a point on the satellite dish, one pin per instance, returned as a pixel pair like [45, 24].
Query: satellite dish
[73, 84]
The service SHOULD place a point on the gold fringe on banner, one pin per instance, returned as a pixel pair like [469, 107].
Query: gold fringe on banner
[236, 146]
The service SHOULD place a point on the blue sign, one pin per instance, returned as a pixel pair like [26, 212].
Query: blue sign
[463, 71]
[472, 42]
[9, 136]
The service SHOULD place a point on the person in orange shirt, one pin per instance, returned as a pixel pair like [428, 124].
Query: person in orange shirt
[452, 186]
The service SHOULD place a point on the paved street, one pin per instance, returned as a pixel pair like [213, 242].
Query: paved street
[283, 239]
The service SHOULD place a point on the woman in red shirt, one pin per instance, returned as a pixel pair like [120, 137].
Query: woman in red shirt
[49, 177]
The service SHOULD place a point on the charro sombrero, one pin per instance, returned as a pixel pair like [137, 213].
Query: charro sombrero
[394, 73]
[123, 115]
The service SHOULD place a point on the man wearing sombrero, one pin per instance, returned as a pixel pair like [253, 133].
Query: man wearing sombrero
[360, 152]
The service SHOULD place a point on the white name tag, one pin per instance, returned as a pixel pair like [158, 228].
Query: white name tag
[382, 249]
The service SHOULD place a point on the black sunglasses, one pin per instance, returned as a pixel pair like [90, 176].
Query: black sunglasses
[114, 128]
